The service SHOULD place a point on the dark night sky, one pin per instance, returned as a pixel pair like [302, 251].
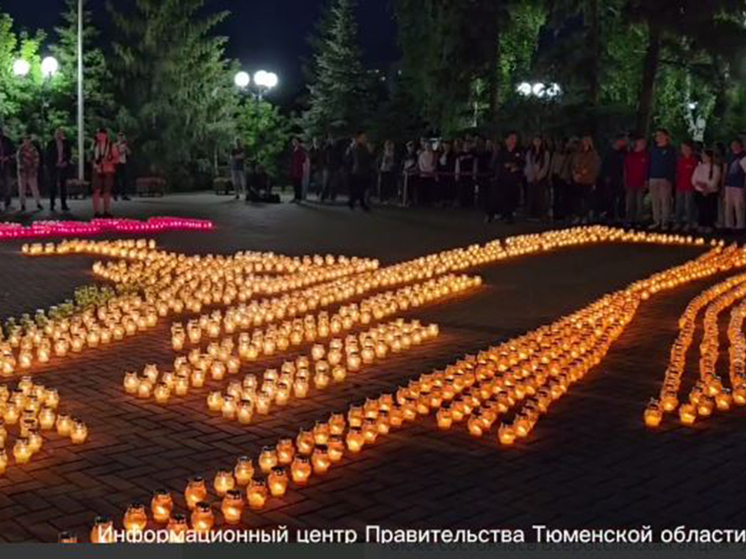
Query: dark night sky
[263, 33]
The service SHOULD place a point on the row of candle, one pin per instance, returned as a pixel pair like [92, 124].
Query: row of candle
[119, 317]
[41, 229]
[715, 299]
[325, 365]
[247, 316]
[33, 408]
[542, 363]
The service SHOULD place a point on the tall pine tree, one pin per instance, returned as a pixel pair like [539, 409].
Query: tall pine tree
[339, 89]
[176, 86]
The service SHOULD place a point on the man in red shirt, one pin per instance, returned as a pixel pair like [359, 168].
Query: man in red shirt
[636, 169]
[686, 164]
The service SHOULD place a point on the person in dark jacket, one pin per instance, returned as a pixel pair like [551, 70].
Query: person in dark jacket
[7, 156]
[361, 174]
[297, 169]
[662, 178]
[611, 196]
[58, 158]
[504, 193]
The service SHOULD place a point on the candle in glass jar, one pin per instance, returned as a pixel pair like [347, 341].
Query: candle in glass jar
[102, 531]
[135, 518]
[300, 470]
[162, 506]
[285, 452]
[203, 518]
[277, 482]
[224, 482]
[195, 492]
[177, 528]
[268, 459]
[256, 494]
[78, 432]
[232, 506]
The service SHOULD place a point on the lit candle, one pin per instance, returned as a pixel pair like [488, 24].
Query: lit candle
[135, 519]
[300, 470]
[232, 507]
[79, 432]
[195, 492]
[224, 482]
[102, 531]
[256, 494]
[162, 506]
[202, 518]
[277, 482]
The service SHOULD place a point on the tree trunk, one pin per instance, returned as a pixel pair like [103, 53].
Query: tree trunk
[649, 73]
[494, 85]
[721, 107]
[594, 79]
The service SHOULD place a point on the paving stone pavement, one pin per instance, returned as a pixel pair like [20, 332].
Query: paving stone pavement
[589, 463]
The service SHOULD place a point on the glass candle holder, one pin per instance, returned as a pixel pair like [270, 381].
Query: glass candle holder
[203, 518]
[102, 531]
[79, 432]
[320, 460]
[268, 459]
[161, 506]
[232, 507]
[195, 492]
[300, 470]
[224, 482]
[285, 452]
[135, 518]
[277, 482]
[256, 494]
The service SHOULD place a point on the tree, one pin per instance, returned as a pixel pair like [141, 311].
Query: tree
[175, 86]
[339, 88]
[265, 133]
[97, 83]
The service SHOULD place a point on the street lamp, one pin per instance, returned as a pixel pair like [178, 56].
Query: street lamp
[539, 90]
[21, 68]
[242, 80]
[49, 66]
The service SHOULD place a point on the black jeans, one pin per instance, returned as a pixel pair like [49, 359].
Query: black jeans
[5, 184]
[58, 185]
[121, 185]
[358, 189]
[298, 188]
[707, 208]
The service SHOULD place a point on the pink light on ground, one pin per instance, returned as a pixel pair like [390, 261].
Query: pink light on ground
[46, 229]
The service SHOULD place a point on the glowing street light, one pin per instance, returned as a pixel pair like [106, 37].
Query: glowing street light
[242, 80]
[21, 68]
[49, 66]
[264, 79]
[539, 90]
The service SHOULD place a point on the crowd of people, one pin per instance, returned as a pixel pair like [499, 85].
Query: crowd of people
[33, 168]
[686, 187]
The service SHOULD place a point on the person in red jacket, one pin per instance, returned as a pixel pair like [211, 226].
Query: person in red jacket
[636, 169]
[297, 169]
[685, 210]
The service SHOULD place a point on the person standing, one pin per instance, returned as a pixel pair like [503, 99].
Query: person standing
[124, 151]
[586, 165]
[611, 198]
[706, 181]
[387, 172]
[427, 166]
[560, 177]
[238, 168]
[362, 171]
[735, 181]
[297, 169]
[58, 158]
[636, 172]
[504, 192]
[29, 162]
[685, 166]
[7, 155]
[447, 173]
[662, 178]
[537, 172]
[105, 158]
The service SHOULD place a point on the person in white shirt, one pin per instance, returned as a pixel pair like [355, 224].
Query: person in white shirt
[120, 188]
[706, 181]
[427, 165]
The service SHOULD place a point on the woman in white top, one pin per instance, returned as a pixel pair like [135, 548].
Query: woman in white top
[706, 181]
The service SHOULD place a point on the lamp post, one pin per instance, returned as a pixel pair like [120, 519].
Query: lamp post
[49, 67]
[81, 100]
[263, 82]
